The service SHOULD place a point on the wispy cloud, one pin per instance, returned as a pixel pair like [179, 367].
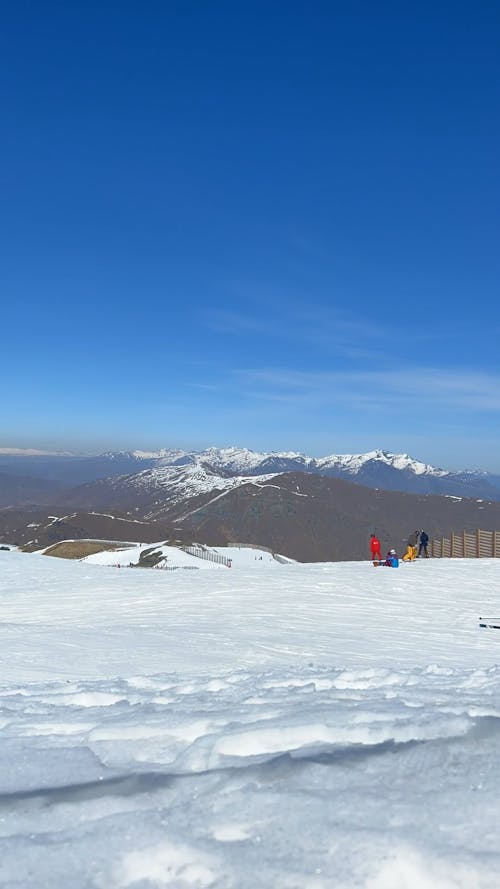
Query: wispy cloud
[332, 331]
[412, 387]
[233, 322]
[205, 387]
[330, 321]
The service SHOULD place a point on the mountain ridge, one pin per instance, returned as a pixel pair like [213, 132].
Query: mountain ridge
[161, 482]
[300, 515]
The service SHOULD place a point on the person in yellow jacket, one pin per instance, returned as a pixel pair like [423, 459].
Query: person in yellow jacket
[411, 552]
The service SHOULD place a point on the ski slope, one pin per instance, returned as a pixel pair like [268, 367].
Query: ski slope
[174, 557]
[309, 726]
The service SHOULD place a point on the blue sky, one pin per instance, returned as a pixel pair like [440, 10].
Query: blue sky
[274, 225]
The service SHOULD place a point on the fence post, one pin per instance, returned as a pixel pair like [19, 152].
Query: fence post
[478, 541]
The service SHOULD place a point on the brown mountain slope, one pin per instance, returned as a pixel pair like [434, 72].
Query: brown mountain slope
[312, 518]
[306, 517]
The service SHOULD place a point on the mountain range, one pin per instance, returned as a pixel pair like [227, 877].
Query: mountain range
[375, 469]
[304, 507]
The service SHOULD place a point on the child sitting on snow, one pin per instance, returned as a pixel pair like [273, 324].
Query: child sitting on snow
[392, 560]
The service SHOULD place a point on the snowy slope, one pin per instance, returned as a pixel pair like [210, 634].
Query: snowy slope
[166, 486]
[173, 557]
[314, 726]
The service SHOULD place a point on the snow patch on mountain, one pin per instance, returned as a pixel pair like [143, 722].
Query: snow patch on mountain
[188, 480]
[164, 453]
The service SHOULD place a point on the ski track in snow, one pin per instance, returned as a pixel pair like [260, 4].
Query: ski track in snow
[310, 726]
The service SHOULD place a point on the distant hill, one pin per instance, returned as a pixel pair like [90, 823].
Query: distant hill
[25, 490]
[72, 470]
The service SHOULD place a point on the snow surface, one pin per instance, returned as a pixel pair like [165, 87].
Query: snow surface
[314, 726]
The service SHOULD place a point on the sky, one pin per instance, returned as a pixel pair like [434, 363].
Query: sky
[272, 225]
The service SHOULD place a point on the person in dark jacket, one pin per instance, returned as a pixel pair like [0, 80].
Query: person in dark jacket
[424, 540]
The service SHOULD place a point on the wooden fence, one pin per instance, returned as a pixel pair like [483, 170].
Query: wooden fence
[467, 545]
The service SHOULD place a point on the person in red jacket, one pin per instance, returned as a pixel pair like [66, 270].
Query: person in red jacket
[375, 548]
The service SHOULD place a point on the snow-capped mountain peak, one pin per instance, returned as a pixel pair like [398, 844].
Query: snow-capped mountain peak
[354, 463]
[243, 461]
[182, 475]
